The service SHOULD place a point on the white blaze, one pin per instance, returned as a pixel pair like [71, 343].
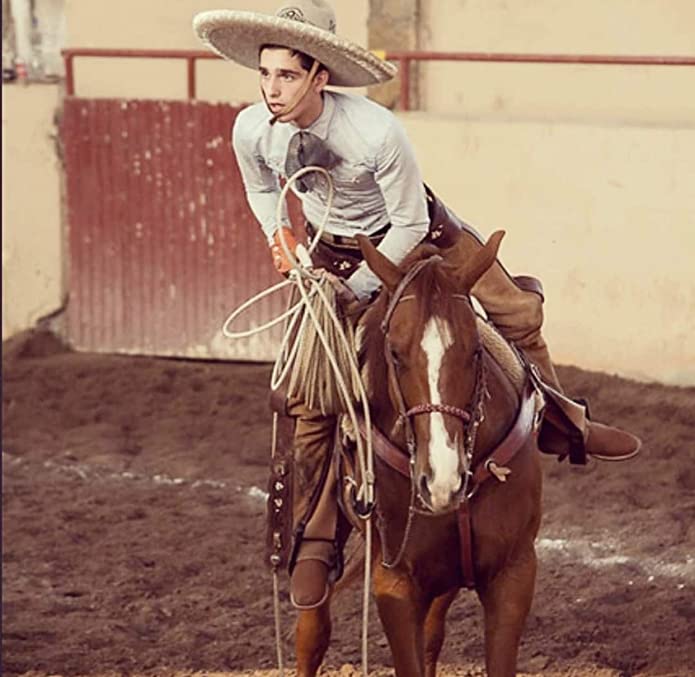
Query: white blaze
[443, 455]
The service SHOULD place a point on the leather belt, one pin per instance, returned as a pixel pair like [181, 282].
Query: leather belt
[344, 241]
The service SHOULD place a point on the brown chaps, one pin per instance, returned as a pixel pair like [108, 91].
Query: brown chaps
[518, 314]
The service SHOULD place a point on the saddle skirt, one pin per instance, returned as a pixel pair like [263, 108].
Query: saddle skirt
[502, 352]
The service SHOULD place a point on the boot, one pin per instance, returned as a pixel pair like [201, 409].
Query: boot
[310, 579]
[608, 443]
[601, 441]
[313, 563]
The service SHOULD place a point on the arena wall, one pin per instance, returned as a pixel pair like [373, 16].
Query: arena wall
[603, 215]
[576, 93]
[32, 257]
[589, 169]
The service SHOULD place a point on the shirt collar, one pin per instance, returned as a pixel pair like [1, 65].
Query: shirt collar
[319, 127]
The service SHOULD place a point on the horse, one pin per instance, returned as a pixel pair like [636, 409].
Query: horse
[435, 391]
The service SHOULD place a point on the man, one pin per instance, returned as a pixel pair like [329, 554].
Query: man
[379, 192]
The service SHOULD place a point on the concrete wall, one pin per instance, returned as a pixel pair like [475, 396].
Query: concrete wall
[605, 216]
[588, 169]
[32, 279]
[651, 95]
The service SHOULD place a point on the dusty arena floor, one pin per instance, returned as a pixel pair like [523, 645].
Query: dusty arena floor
[134, 517]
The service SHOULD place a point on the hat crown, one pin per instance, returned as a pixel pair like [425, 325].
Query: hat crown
[314, 12]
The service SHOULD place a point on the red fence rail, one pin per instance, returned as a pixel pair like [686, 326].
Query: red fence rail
[403, 58]
[190, 56]
[406, 58]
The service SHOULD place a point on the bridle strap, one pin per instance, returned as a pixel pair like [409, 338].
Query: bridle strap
[400, 401]
[472, 418]
[399, 291]
[396, 297]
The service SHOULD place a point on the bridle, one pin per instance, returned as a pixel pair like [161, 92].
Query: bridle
[472, 416]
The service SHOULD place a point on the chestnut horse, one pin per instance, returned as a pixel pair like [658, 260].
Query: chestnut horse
[434, 390]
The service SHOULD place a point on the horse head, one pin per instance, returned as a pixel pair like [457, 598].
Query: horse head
[424, 362]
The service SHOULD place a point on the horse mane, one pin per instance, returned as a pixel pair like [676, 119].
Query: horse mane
[436, 283]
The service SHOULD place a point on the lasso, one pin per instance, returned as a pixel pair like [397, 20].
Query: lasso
[309, 285]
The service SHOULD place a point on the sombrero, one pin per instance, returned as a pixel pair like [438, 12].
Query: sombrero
[304, 25]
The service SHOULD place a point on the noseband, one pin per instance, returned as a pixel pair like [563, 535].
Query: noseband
[472, 416]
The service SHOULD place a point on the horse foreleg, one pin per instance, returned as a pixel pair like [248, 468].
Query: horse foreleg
[434, 630]
[312, 638]
[506, 601]
[402, 614]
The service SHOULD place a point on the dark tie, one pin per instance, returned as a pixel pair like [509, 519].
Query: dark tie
[307, 149]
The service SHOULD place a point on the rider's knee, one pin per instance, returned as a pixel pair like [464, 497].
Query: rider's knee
[523, 321]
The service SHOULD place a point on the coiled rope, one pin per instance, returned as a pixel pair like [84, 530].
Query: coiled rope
[313, 331]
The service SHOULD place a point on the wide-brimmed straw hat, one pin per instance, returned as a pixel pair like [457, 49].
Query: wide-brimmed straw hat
[305, 25]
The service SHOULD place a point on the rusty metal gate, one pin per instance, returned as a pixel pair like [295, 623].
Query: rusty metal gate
[162, 245]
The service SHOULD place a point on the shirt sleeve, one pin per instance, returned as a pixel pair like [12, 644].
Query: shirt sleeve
[261, 183]
[398, 177]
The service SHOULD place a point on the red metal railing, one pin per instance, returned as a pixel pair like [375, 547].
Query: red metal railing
[190, 56]
[404, 59]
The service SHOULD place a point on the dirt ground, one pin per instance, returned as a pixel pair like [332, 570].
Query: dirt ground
[134, 517]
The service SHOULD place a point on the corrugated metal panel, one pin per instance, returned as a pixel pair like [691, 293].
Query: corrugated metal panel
[162, 245]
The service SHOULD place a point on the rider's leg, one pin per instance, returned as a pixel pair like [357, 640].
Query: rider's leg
[315, 507]
[518, 314]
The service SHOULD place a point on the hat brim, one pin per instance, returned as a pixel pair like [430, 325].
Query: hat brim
[238, 36]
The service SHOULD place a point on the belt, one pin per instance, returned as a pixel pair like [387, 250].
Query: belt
[344, 241]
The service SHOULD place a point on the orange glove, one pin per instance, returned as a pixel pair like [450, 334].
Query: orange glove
[280, 260]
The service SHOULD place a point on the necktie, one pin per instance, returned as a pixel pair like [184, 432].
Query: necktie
[307, 149]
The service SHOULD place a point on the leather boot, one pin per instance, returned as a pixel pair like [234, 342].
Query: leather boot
[313, 560]
[608, 443]
[309, 584]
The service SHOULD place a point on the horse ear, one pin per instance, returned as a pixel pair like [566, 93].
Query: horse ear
[471, 268]
[382, 267]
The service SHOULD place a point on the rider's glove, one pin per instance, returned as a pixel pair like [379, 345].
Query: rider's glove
[280, 260]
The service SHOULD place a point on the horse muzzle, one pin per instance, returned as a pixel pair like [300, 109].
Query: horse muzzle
[440, 496]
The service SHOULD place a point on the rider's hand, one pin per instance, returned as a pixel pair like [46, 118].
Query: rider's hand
[344, 295]
[280, 260]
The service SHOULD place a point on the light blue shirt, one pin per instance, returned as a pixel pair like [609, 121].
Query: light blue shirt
[376, 182]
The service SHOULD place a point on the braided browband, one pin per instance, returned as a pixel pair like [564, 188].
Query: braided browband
[430, 408]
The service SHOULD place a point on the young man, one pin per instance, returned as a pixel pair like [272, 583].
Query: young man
[379, 192]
